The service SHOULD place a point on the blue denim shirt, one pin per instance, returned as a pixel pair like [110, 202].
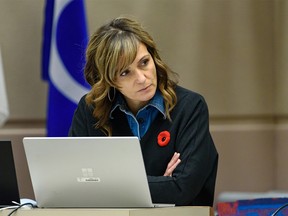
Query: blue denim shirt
[140, 123]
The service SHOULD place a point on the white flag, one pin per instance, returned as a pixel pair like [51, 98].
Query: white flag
[4, 110]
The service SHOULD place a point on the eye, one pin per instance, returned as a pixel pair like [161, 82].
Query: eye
[145, 62]
[124, 73]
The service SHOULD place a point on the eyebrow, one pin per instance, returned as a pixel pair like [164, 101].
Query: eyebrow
[145, 56]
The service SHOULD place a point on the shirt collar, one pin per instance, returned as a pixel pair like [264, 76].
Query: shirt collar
[157, 101]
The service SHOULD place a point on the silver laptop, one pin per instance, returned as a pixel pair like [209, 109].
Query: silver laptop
[87, 172]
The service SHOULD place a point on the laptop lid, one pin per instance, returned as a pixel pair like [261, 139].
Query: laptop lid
[8, 180]
[87, 172]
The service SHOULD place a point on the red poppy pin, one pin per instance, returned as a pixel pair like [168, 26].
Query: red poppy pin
[163, 138]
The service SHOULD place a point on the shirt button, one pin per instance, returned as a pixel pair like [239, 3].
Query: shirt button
[141, 120]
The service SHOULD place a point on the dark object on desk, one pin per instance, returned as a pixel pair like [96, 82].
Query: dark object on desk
[257, 207]
[8, 180]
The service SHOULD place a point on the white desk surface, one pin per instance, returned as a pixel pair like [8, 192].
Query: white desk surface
[167, 211]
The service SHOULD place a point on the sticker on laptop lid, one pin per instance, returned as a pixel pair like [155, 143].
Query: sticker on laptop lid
[88, 176]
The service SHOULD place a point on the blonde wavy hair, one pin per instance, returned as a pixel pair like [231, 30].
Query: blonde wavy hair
[111, 49]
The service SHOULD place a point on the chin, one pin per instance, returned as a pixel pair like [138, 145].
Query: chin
[150, 97]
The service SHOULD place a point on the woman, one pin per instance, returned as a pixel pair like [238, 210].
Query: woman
[134, 93]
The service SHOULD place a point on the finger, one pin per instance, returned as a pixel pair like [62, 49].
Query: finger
[173, 167]
[172, 164]
[170, 170]
[174, 159]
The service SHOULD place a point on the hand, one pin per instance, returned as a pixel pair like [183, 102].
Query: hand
[172, 164]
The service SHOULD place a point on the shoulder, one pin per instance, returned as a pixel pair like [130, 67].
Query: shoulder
[83, 104]
[83, 108]
[82, 100]
[188, 96]
[189, 103]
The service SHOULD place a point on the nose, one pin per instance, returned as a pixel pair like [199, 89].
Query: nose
[140, 76]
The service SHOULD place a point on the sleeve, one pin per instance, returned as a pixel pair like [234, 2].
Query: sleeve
[193, 181]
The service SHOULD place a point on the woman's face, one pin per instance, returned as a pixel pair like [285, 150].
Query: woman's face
[138, 82]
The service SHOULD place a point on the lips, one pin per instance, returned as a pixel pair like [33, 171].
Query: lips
[144, 88]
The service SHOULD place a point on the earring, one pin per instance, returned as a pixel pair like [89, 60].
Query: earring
[114, 93]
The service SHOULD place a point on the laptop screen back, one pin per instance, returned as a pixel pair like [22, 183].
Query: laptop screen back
[87, 172]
